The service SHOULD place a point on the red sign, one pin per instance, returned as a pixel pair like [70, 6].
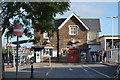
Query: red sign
[18, 30]
[8, 45]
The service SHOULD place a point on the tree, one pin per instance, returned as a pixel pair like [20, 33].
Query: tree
[36, 15]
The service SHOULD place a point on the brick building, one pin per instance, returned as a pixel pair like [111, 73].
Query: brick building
[72, 32]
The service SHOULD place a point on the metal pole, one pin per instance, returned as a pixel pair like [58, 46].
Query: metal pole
[1, 58]
[8, 50]
[8, 56]
[50, 62]
[112, 36]
[17, 57]
[58, 45]
[113, 17]
[31, 69]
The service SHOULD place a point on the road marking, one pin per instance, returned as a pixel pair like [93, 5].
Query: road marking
[83, 68]
[98, 72]
[49, 71]
[70, 69]
[46, 74]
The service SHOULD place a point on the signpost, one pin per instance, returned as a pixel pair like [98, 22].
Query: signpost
[8, 46]
[18, 30]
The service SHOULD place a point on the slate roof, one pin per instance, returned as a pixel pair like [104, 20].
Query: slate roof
[92, 23]
[59, 21]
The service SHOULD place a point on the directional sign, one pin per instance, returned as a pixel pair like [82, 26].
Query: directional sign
[18, 30]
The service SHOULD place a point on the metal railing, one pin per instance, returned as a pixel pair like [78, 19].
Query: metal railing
[113, 55]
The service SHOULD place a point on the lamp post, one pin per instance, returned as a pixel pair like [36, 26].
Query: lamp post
[112, 17]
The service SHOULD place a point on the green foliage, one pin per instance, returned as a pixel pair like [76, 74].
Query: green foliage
[36, 39]
[36, 15]
[7, 49]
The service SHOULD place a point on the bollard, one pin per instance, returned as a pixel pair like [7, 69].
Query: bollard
[31, 69]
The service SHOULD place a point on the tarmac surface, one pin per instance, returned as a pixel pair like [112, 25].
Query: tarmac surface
[63, 70]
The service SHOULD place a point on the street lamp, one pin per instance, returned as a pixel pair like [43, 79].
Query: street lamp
[112, 17]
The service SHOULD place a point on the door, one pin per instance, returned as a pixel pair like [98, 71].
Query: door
[73, 55]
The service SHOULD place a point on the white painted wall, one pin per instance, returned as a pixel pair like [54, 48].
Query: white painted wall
[54, 53]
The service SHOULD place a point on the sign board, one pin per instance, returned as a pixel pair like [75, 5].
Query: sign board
[37, 56]
[18, 30]
[8, 45]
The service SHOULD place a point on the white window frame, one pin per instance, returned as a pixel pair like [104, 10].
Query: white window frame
[64, 53]
[73, 26]
[46, 50]
[88, 36]
[44, 35]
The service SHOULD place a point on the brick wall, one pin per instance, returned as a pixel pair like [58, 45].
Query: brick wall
[64, 34]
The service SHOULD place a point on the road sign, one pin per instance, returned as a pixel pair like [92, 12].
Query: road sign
[8, 45]
[18, 30]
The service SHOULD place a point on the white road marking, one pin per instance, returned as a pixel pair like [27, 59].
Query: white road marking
[70, 69]
[46, 74]
[49, 71]
[98, 72]
[83, 68]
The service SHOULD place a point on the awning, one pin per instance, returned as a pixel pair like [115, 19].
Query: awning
[23, 41]
[37, 48]
[79, 48]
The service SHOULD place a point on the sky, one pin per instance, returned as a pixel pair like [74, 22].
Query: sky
[97, 10]
[90, 10]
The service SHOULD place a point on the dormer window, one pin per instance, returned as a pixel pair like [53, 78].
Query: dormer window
[45, 35]
[73, 30]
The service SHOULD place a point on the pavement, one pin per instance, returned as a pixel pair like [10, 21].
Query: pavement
[110, 64]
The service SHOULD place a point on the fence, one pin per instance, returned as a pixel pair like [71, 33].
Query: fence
[113, 55]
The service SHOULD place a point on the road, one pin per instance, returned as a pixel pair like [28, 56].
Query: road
[68, 70]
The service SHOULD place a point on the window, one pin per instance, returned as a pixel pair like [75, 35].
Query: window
[88, 36]
[64, 53]
[73, 30]
[45, 35]
[48, 52]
